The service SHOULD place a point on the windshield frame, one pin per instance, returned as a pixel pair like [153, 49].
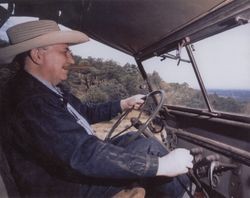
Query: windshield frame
[210, 111]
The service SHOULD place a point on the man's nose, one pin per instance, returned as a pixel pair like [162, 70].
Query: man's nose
[71, 59]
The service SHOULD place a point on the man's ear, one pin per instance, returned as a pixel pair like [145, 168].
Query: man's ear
[36, 56]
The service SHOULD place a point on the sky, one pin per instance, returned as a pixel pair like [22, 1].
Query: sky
[223, 60]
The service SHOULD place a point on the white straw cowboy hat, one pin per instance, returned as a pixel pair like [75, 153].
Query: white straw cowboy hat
[26, 36]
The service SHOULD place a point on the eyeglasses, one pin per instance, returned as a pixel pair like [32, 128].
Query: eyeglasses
[67, 52]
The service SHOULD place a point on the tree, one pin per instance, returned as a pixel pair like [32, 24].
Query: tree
[104, 80]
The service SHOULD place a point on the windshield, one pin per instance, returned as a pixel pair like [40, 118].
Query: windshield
[224, 65]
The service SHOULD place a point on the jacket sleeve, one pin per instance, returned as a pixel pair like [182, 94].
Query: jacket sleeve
[48, 133]
[95, 113]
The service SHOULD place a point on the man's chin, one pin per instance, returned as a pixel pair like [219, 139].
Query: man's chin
[65, 77]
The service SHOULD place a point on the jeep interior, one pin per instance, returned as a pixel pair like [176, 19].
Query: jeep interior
[194, 58]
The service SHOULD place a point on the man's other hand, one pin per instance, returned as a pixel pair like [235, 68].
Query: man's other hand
[175, 163]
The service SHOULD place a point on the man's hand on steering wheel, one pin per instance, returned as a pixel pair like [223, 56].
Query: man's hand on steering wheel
[137, 102]
[132, 102]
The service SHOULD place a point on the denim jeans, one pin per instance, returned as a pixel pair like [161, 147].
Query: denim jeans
[156, 186]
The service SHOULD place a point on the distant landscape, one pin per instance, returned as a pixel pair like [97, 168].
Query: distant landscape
[237, 94]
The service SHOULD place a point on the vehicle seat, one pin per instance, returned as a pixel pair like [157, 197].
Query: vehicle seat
[8, 187]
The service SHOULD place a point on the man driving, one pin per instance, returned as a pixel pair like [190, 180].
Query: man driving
[50, 145]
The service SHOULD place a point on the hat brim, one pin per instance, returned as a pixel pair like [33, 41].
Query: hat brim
[7, 54]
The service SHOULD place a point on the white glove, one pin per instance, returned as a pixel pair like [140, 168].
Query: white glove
[134, 101]
[175, 163]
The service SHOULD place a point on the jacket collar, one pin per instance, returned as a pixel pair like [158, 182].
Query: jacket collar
[30, 85]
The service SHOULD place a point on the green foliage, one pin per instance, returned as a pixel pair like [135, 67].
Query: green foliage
[183, 95]
[102, 81]
[226, 104]
[96, 95]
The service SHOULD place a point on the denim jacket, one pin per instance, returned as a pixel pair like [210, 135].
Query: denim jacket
[50, 154]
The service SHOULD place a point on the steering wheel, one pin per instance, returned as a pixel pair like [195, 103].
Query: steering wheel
[136, 121]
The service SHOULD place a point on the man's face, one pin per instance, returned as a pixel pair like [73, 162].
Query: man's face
[56, 61]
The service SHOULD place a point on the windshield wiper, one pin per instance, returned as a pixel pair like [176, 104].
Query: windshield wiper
[178, 52]
[175, 57]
